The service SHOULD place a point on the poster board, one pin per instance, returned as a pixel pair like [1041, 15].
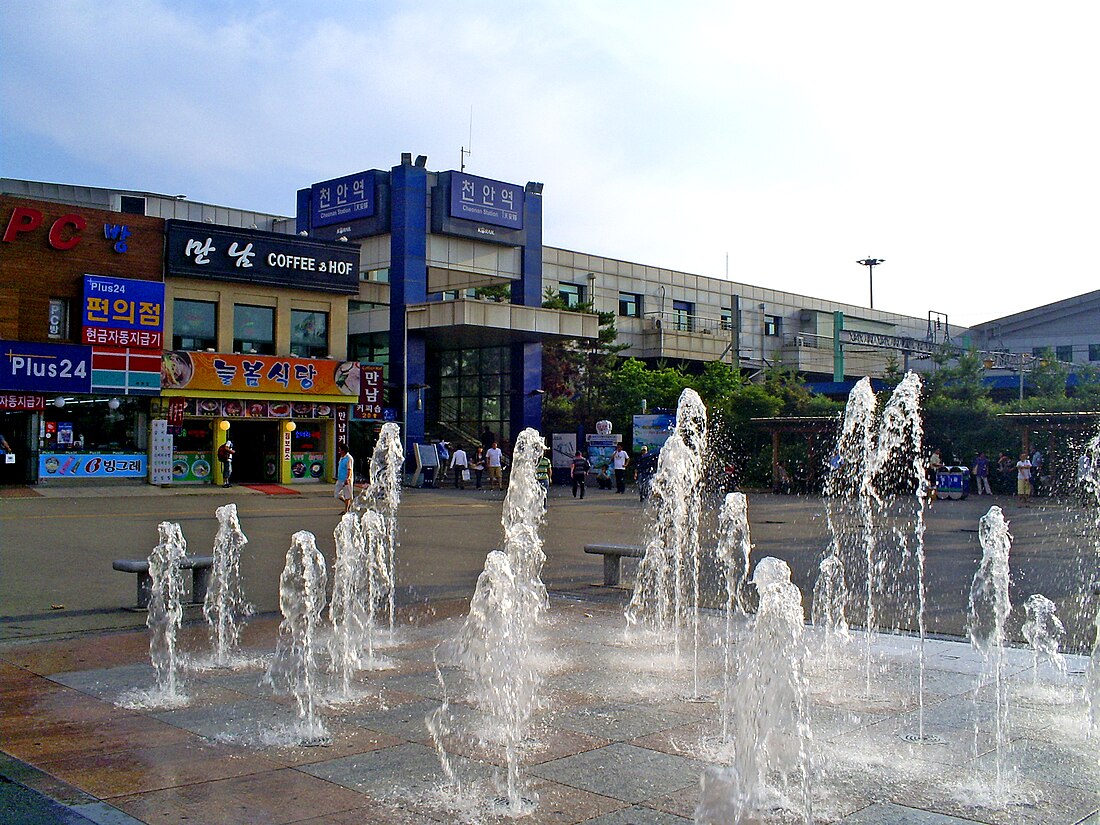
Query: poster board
[564, 448]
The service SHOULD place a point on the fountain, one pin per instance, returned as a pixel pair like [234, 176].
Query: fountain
[830, 598]
[495, 648]
[770, 736]
[1045, 633]
[734, 547]
[1090, 480]
[293, 668]
[381, 496]
[225, 605]
[164, 621]
[989, 609]
[666, 590]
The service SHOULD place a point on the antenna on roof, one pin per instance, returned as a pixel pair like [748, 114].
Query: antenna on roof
[462, 150]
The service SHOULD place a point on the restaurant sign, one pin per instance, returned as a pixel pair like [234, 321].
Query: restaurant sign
[248, 375]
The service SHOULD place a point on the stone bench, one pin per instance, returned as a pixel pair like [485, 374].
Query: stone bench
[200, 567]
[612, 557]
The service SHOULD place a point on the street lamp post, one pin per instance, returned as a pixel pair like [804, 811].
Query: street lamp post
[871, 263]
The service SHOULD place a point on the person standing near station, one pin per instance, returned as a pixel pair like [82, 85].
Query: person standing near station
[225, 456]
[578, 471]
[494, 463]
[477, 464]
[1023, 476]
[345, 476]
[461, 466]
[644, 471]
[981, 474]
[619, 462]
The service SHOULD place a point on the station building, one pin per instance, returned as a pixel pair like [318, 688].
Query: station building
[443, 309]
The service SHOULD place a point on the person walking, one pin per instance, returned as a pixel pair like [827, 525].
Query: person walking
[981, 474]
[619, 462]
[494, 459]
[1005, 468]
[225, 456]
[345, 477]
[578, 471]
[1023, 476]
[461, 467]
[477, 464]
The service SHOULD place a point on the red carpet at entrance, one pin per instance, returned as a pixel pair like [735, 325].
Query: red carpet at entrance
[272, 489]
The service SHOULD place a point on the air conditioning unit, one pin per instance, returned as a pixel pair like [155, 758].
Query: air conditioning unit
[800, 341]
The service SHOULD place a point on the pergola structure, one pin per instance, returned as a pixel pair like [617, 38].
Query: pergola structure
[808, 426]
[1027, 423]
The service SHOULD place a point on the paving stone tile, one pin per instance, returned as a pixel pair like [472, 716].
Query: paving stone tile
[618, 722]
[1048, 762]
[623, 772]
[402, 774]
[271, 798]
[638, 816]
[138, 770]
[61, 740]
[887, 813]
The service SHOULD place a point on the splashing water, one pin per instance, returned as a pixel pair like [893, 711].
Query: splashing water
[496, 647]
[382, 496]
[734, 547]
[770, 718]
[293, 668]
[1090, 480]
[989, 609]
[164, 621]
[1045, 633]
[667, 584]
[225, 607]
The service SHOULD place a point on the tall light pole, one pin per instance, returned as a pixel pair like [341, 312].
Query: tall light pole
[871, 263]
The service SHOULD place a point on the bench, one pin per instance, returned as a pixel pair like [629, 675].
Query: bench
[612, 556]
[200, 567]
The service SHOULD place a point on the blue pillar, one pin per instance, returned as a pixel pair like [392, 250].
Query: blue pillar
[408, 285]
[526, 407]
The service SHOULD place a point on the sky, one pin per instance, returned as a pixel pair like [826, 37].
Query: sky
[778, 141]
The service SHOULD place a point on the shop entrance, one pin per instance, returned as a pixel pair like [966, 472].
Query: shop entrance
[257, 449]
[14, 427]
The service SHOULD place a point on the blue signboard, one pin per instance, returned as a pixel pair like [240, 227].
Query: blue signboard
[342, 199]
[486, 201]
[123, 303]
[47, 368]
[84, 465]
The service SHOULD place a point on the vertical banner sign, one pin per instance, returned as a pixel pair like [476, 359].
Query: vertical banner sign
[286, 445]
[370, 393]
[160, 454]
[176, 406]
[342, 423]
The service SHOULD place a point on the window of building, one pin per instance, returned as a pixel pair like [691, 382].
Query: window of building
[630, 305]
[254, 329]
[1064, 353]
[572, 294]
[363, 306]
[683, 315]
[131, 205]
[726, 321]
[372, 348]
[194, 324]
[381, 276]
[475, 388]
[308, 333]
[58, 322]
[772, 324]
[1094, 352]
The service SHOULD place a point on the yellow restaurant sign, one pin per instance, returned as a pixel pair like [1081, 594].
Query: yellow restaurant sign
[195, 373]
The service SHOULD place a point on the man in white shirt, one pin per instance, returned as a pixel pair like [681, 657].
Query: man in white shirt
[1023, 476]
[494, 459]
[619, 460]
[460, 466]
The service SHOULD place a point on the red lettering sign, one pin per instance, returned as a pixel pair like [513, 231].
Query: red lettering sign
[64, 233]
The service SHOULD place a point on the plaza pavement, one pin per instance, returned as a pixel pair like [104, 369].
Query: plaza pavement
[71, 755]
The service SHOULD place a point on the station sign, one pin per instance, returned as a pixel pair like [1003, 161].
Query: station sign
[342, 199]
[486, 201]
